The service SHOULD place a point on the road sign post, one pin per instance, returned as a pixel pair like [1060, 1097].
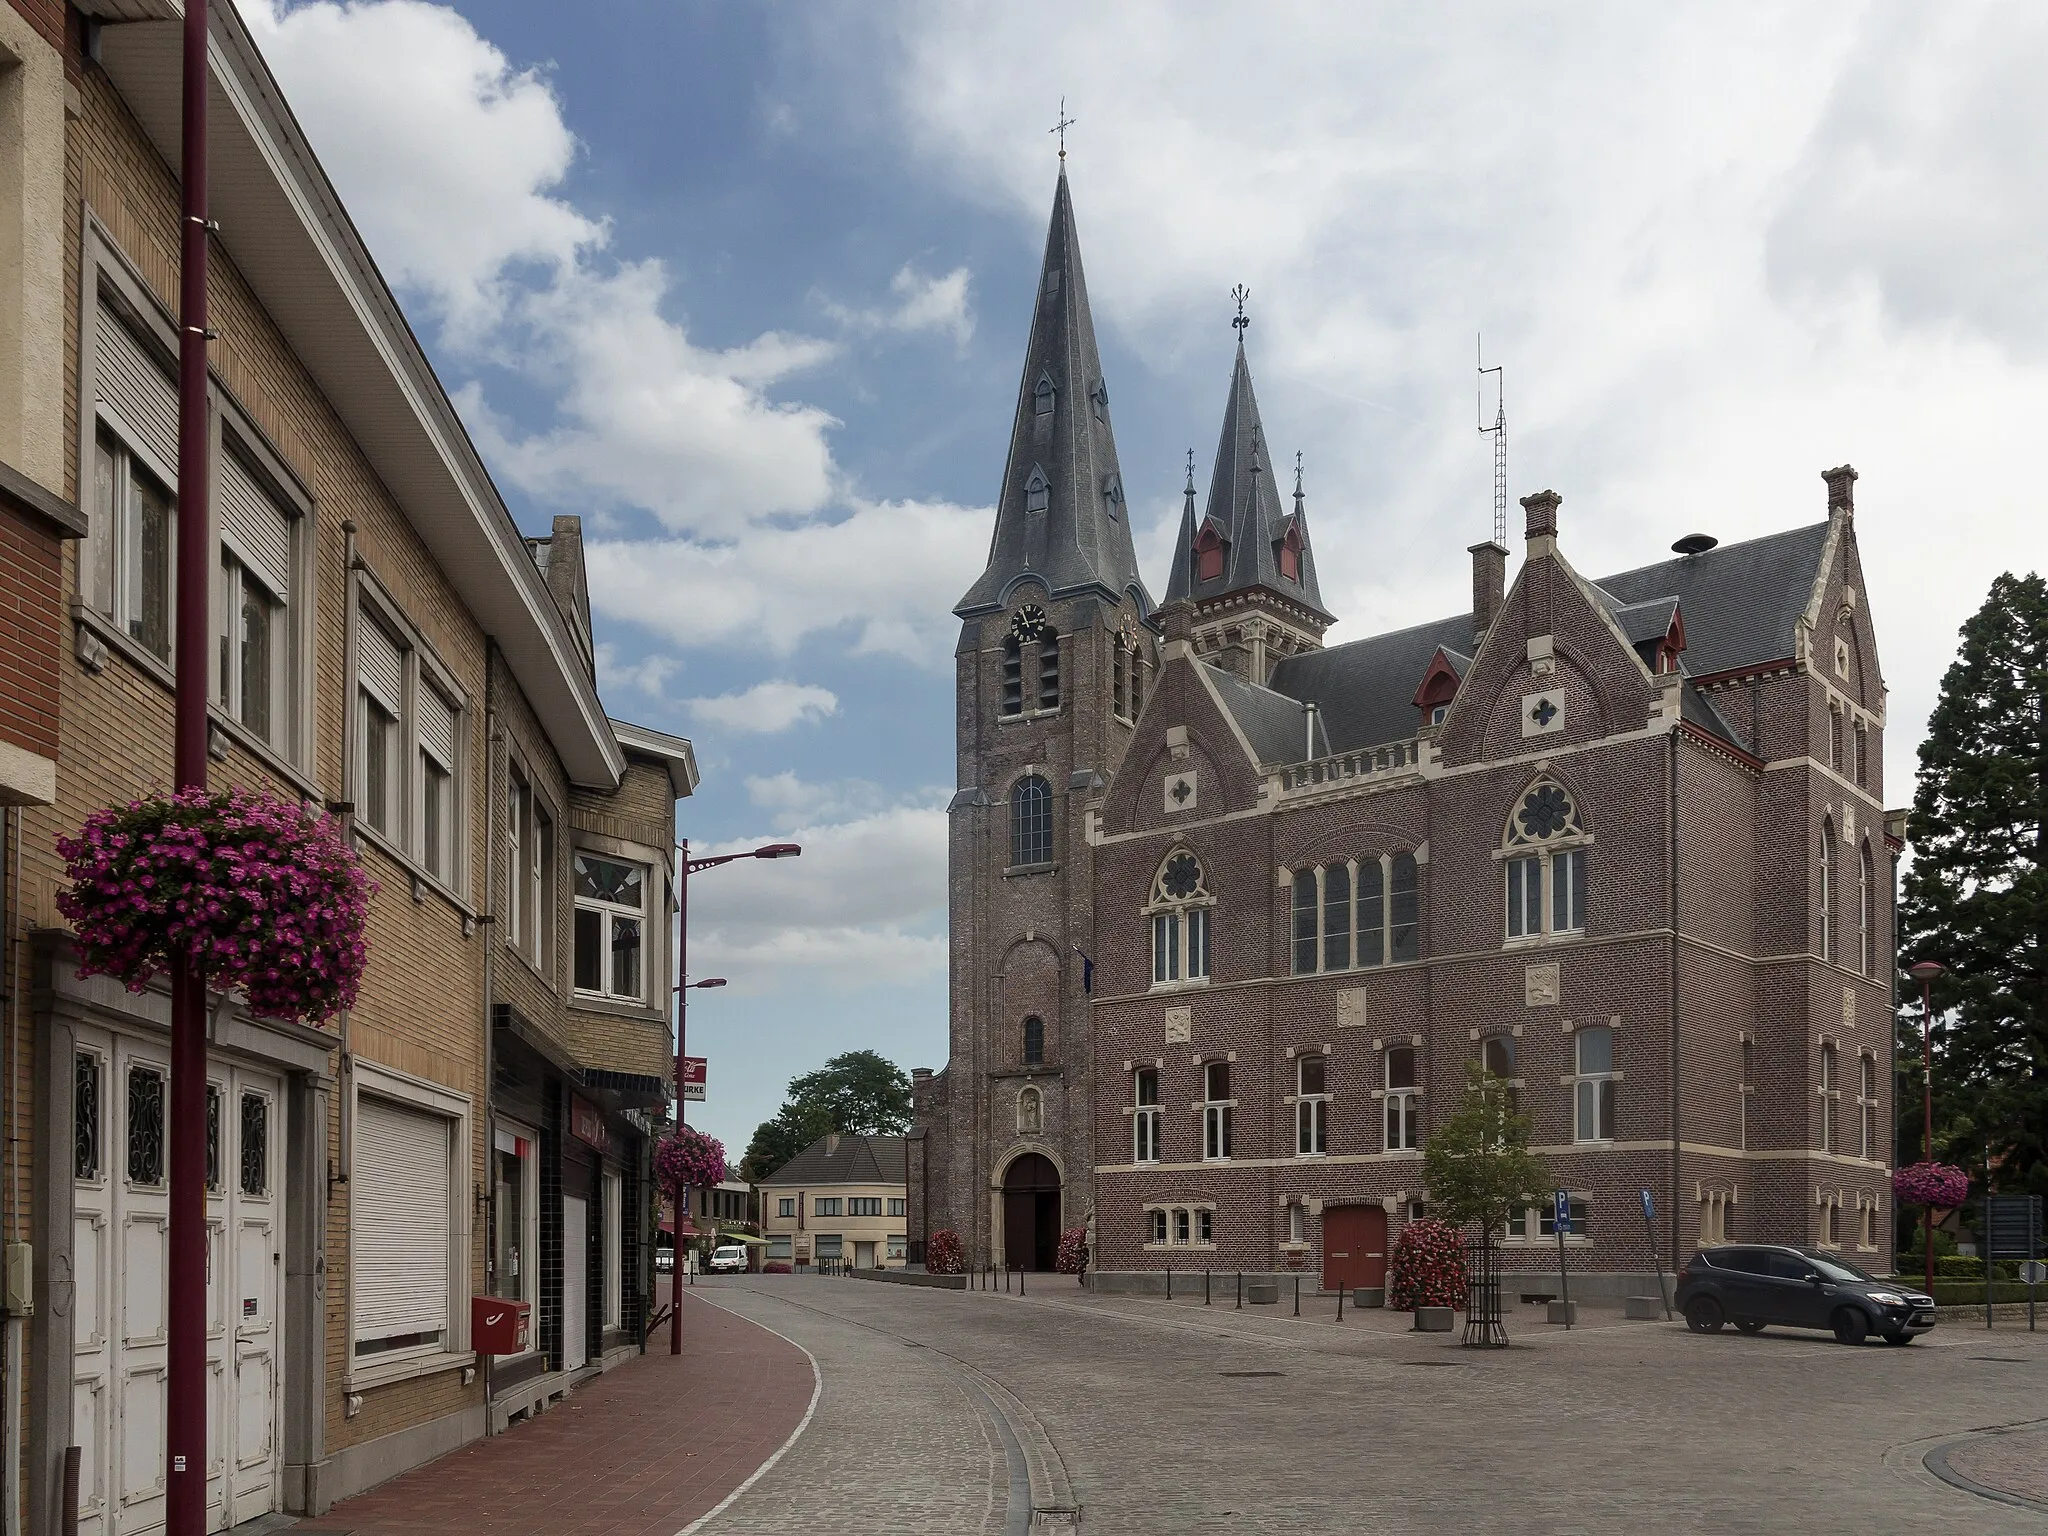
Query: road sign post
[1656, 1253]
[2013, 1230]
[1561, 1218]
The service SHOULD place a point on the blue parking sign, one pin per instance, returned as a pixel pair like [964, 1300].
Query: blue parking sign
[1649, 1207]
[1564, 1211]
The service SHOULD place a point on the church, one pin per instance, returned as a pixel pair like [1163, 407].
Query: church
[1233, 911]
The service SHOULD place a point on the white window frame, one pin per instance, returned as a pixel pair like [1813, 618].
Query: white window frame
[432, 1098]
[530, 872]
[1145, 1117]
[421, 673]
[1830, 1094]
[1180, 927]
[828, 1205]
[1311, 1110]
[1866, 1106]
[1218, 1116]
[1352, 907]
[236, 439]
[1591, 1088]
[609, 913]
[1403, 1105]
[785, 1208]
[1542, 872]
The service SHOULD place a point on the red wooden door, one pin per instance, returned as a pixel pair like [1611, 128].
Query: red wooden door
[1354, 1247]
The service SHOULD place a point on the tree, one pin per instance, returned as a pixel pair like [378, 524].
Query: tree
[1976, 894]
[859, 1093]
[1478, 1166]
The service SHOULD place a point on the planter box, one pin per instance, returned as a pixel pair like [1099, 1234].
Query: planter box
[1262, 1293]
[1369, 1296]
[1433, 1319]
[1563, 1311]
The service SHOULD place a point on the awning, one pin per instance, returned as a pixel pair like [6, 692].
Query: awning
[743, 1237]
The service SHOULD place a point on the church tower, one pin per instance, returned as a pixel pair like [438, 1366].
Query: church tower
[1055, 650]
[1246, 564]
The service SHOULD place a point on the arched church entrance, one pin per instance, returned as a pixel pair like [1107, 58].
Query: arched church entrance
[1031, 1213]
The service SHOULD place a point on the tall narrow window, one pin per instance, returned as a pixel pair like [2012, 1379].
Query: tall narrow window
[1834, 738]
[133, 525]
[1497, 1055]
[1862, 756]
[1827, 890]
[1031, 822]
[380, 674]
[438, 736]
[1336, 917]
[1593, 1094]
[1145, 1115]
[1830, 1095]
[85, 1115]
[1013, 675]
[1743, 1092]
[1297, 1223]
[1208, 555]
[1312, 1106]
[1120, 678]
[1042, 396]
[1034, 1041]
[1567, 891]
[256, 569]
[1037, 492]
[1866, 938]
[1866, 1107]
[1048, 669]
[1305, 902]
[1402, 1126]
[1525, 897]
[610, 913]
[1372, 913]
[1180, 912]
[1217, 1110]
[1405, 931]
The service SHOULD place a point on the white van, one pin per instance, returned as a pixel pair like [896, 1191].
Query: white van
[732, 1256]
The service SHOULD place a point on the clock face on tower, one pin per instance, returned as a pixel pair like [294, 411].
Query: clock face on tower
[1028, 623]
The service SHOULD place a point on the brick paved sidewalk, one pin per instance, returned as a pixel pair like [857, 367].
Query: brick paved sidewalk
[640, 1451]
[2015, 1463]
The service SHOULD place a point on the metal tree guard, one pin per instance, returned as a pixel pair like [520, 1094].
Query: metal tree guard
[1483, 1327]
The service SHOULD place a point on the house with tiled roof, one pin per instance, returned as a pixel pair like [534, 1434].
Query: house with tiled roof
[842, 1200]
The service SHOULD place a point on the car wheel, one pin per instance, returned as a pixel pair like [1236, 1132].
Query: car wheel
[1851, 1326]
[1748, 1325]
[1900, 1338]
[1703, 1315]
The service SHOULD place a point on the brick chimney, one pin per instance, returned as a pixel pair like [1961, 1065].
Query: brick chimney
[1841, 489]
[1489, 587]
[1541, 510]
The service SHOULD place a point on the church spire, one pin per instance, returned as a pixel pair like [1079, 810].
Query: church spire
[1245, 539]
[1060, 515]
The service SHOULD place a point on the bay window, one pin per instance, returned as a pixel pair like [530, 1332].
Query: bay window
[611, 901]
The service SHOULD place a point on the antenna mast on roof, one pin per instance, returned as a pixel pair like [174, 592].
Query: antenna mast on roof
[1499, 428]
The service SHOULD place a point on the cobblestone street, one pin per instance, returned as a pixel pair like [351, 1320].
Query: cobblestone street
[953, 1412]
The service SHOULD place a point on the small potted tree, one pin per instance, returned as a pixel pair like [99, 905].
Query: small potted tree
[1480, 1171]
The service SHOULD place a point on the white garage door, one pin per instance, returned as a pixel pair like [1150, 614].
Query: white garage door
[120, 1244]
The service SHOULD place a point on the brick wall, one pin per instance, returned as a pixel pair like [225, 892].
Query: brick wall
[31, 563]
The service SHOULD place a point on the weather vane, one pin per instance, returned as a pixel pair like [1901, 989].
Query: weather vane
[1191, 471]
[1062, 126]
[1240, 293]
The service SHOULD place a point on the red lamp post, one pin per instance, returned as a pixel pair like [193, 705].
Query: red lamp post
[685, 866]
[1924, 973]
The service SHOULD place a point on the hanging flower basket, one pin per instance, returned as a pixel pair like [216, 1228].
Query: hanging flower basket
[257, 893]
[688, 1159]
[1072, 1258]
[1941, 1185]
[1428, 1267]
[942, 1255]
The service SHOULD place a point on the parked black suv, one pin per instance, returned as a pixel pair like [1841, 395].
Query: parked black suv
[1753, 1285]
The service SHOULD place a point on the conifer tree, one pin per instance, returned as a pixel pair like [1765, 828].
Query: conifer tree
[1976, 894]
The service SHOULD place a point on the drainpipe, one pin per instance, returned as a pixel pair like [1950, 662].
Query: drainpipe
[1671, 874]
[344, 1078]
[487, 925]
[10, 1173]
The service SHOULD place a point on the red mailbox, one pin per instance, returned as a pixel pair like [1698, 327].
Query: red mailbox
[499, 1327]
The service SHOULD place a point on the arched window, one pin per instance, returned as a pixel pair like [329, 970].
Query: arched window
[1179, 911]
[1030, 1112]
[1405, 932]
[1209, 549]
[1037, 491]
[1042, 396]
[1098, 396]
[1034, 1041]
[1866, 935]
[1290, 554]
[1031, 821]
[1337, 917]
[1372, 913]
[1360, 913]
[1304, 921]
[1827, 889]
[1546, 867]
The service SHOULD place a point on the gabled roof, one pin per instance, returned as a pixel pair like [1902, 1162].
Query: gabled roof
[1081, 539]
[1741, 601]
[1276, 726]
[1244, 501]
[839, 1159]
[1366, 689]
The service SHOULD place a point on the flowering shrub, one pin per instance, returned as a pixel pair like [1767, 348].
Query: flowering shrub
[1428, 1267]
[776, 1267]
[1941, 1185]
[255, 892]
[1073, 1254]
[942, 1254]
[688, 1159]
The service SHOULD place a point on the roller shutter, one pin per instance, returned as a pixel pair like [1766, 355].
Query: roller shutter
[253, 527]
[137, 392]
[437, 728]
[401, 1238]
[379, 666]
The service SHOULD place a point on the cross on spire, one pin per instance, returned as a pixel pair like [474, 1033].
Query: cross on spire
[1065, 122]
[1191, 471]
[1240, 293]
[1297, 482]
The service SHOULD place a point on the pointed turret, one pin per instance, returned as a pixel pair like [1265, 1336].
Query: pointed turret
[1060, 516]
[1246, 562]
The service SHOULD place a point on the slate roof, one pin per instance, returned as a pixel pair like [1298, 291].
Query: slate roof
[846, 1160]
[1276, 725]
[1740, 604]
[1244, 501]
[1081, 540]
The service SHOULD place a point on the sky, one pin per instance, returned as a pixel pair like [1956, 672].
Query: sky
[747, 287]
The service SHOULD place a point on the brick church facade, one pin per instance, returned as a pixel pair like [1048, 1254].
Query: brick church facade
[1232, 911]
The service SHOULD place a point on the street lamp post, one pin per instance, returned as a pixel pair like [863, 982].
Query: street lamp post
[685, 866]
[1924, 973]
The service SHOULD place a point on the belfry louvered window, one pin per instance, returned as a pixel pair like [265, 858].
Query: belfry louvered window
[1048, 669]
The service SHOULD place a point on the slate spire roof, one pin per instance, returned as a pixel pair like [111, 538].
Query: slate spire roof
[1244, 511]
[1060, 515]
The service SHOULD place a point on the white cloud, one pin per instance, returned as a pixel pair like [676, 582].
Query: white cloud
[886, 576]
[865, 904]
[648, 675]
[922, 304]
[792, 800]
[766, 708]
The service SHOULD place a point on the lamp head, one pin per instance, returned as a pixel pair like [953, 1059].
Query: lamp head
[710, 981]
[1926, 970]
[779, 851]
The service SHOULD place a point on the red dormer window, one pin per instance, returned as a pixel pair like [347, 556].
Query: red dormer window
[1290, 553]
[1209, 549]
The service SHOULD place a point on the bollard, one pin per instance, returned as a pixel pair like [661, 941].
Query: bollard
[1169, 1282]
[1297, 1295]
[1340, 1303]
[1205, 1287]
[1020, 1279]
[1006, 1279]
[68, 1514]
[1240, 1290]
